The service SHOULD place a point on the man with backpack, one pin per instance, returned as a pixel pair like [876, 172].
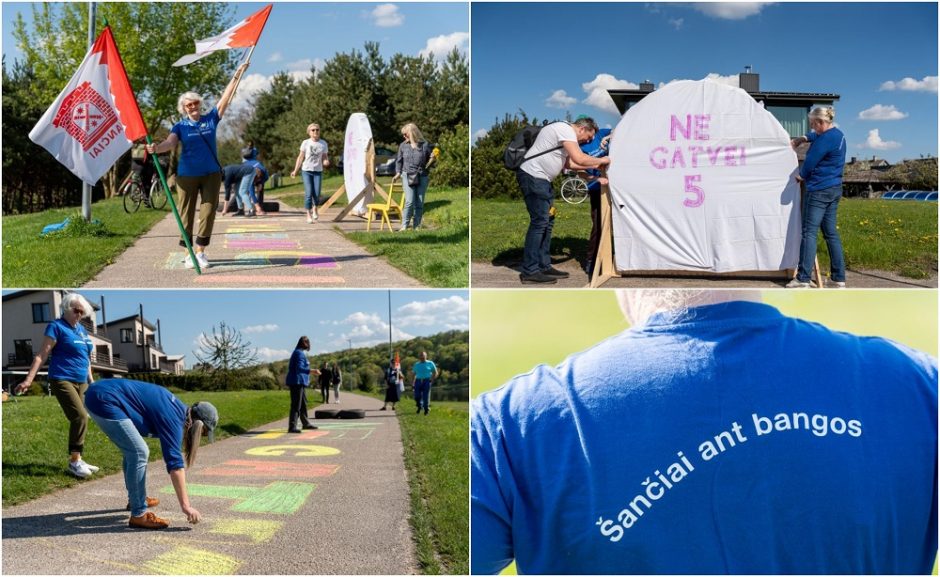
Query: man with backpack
[553, 149]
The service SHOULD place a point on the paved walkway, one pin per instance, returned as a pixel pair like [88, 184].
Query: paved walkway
[276, 250]
[487, 275]
[330, 501]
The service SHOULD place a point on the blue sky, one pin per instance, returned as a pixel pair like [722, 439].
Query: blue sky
[881, 58]
[273, 320]
[299, 36]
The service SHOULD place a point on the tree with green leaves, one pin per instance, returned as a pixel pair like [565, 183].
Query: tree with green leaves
[224, 353]
[268, 108]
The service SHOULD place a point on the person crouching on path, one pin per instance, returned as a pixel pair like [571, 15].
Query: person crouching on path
[126, 411]
[68, 348]
[199, 174]
[298, 379]
[555, 148]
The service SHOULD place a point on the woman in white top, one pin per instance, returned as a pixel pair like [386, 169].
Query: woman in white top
[313, 159]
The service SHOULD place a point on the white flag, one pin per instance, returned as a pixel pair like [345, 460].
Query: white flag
[242, 35]
[95, 119]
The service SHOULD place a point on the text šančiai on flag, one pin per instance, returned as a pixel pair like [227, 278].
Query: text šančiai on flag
[95, 119]
[242, 35]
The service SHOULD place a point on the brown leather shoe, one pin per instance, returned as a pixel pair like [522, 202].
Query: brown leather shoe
[151, 502]
[148, 521]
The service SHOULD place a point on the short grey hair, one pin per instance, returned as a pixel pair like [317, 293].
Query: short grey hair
[71, 299]
[586, 122]
[187, 97]
[824, 113]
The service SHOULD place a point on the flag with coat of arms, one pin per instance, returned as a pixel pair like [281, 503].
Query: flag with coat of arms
[96, 118]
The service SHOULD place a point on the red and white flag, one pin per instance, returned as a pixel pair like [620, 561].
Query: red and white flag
[95, 119]
[397, 363]
[242, 35]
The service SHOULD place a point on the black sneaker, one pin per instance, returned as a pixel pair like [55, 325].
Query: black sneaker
[418, 411]
[537, 278]
[310, 427]
[293, 430]
[554, 272]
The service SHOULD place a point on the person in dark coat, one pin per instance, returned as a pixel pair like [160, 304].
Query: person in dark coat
[298, 379]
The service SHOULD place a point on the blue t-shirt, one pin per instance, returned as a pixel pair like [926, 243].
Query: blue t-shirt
[199, 153]
[152, 409]
[424, 369]
[595, 149]
[736, 440]
[71, 355]
[298, 369]
[825, 160]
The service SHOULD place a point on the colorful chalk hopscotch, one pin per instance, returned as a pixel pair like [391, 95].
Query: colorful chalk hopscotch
[262, 245]
[282, 490]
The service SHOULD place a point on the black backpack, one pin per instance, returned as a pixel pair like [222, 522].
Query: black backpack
[515, 152]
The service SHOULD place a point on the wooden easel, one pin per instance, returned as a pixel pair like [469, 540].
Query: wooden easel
[604, 268]
[367, 192]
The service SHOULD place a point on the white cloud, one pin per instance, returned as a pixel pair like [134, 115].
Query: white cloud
[480, 134]
[729, 80]
[874, 142]
[881, 112]
[677, 23]
[453, 313]
[441, 46]
[304, 65]
[730, 10]
[560, 99]
[597, 91]
[367, 329]
[268, 354]
[927, 84]
[276, 57]
[387, 16]
[269, 328]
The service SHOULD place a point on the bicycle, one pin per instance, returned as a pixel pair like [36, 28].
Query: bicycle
[132, 191]
[574, 189]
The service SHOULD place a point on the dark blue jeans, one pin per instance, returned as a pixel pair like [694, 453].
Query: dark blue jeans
[312, 182]
[819, 210]
[423, 393]
[539, 197]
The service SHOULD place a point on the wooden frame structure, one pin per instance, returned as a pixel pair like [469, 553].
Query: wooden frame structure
[368, 191]
[605, 268]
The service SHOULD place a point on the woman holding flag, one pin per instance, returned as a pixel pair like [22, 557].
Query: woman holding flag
[199, 173]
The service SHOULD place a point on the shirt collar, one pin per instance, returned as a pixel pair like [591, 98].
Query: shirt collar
[740, 312]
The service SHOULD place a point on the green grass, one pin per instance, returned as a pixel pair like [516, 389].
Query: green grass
[62, 261]
[35, 438]
[435, 255]
[895, 236]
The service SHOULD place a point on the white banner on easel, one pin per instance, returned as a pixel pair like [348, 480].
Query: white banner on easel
[702, 178]
[358, 136]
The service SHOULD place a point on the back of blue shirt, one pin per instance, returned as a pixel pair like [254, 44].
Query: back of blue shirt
[825, 160]
[298, 369]
[151, 408]
[70, 357]
[735, 441]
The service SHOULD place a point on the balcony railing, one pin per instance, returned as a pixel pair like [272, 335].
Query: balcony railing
[108, 361]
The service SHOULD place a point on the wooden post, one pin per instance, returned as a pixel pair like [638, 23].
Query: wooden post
[604, 268]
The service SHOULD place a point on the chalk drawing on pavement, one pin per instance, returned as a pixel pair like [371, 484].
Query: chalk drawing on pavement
[278, 469]
[189, 561]
[286, 258]
[350, 431]
[257, 530]
[299, 450]
[279, 497]
[278, 433]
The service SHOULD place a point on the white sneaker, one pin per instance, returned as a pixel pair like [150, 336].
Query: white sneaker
[798, 284]
[316, 216]
[188, 262]
[79, 469]
[203, 260]
[309, 219]
[834, 284]
[91, 468]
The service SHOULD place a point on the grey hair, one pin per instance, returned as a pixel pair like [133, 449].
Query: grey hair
[187, 97]
[586, 122]
[638, 305]
[824, 113]
[74, 298]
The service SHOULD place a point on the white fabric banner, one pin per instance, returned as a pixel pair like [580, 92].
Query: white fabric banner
[358, 136]
[702, 178]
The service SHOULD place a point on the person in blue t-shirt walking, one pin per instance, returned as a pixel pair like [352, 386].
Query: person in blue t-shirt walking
[822, 174]
[425, 372]
[127, 411]
[68, 348]
[686, 444]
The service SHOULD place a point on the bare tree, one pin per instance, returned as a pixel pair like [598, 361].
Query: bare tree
[225, 352]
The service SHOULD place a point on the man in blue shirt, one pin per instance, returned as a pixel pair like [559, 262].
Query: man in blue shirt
[598, 147]
[425, 372]
[688, 444]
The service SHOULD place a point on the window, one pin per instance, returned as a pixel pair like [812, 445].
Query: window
[125, 335]
[24, 350]
[41, 313]
[792, 118]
